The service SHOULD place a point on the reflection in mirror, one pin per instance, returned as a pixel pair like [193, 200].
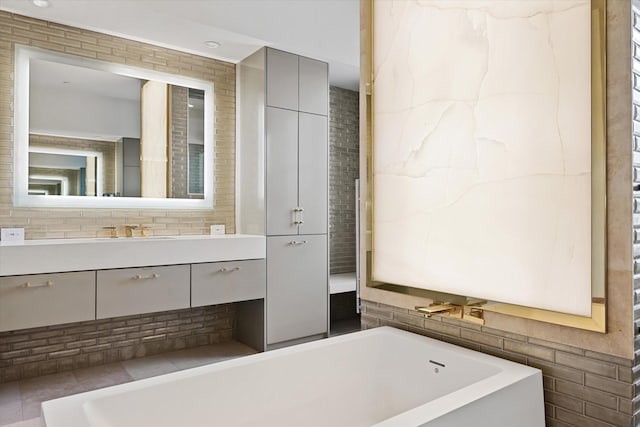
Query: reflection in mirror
[59, 172]
[97, 130]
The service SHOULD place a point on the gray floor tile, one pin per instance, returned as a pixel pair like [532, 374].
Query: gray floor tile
[10, 412]
[34, 391]
[32, 409]
[10, 392]
[49, 387]
[33, 422]
[148, 367]
[199, 356]
[101, 376]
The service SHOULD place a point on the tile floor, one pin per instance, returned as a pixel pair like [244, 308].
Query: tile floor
[20, 400]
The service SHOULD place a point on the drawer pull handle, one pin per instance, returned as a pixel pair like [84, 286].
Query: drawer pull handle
[40, 285]
[141, 277]
[230, 269]
[297, 242]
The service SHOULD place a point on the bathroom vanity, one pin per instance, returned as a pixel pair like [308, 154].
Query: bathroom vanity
[50, 282]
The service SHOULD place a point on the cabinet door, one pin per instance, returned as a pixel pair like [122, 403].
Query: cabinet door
[313, 93]
[282, 79]
[46, 299]
[296, 287]
[282, 171]
[223, 282]
[312, 181]
[141, 290]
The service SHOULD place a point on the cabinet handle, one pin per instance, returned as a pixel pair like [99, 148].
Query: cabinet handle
[230, 269]
[298, 216]
[39, 285]
[141, 277]
[297, 242]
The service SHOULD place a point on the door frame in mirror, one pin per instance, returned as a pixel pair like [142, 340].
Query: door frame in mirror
[21, 197]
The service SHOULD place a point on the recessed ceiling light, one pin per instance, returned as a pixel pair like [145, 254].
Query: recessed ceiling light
[41, 3]
[211, 44]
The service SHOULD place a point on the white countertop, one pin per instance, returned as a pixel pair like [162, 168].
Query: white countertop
[58, 255]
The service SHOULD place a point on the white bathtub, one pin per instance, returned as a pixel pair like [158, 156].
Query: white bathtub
[382, 377]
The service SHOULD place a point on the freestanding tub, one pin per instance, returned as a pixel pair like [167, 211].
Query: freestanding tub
[382, 377]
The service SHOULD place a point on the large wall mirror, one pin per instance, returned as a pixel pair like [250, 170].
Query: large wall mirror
[96, 134]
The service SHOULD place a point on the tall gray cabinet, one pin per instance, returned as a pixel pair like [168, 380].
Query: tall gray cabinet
[282, 186]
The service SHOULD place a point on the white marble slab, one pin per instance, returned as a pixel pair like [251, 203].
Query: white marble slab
[482, 149]
[59, 255]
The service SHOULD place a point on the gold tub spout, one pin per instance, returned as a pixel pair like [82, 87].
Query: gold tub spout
[469, 313]
[438, 308]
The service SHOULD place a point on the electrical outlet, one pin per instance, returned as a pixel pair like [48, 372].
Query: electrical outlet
[217, 229]
[12, 234]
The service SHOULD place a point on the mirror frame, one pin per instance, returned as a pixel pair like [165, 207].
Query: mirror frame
[23, 56]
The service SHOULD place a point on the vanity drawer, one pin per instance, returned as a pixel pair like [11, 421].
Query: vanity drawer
[46, 299]
[222, 282]
[141, 290]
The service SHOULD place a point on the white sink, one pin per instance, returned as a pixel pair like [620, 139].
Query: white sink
[59, 255]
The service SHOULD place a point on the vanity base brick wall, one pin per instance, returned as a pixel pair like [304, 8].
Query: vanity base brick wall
[40, 351]
[581, 387]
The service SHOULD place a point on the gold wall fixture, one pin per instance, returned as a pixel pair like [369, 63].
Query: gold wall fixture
[467, 313]
[402, 295]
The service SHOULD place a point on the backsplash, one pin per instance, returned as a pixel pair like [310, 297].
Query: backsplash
[343, 170]
[44, 223]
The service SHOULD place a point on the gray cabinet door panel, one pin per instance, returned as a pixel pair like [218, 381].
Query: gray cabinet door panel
[282, 79]
[224, 282]
[312, 179]
[314, 86]
[282, 171]
[296, 287]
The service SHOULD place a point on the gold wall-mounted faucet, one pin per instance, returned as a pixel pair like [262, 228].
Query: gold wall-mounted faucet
[143, 230]
[128, 230]
[469, 313]
[113, 231]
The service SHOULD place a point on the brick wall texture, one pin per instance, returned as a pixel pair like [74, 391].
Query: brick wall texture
[41, 223]
[28, 353]
[636, 203]
[343, 171]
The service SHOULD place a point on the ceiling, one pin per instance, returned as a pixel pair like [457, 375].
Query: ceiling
[323, 29]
